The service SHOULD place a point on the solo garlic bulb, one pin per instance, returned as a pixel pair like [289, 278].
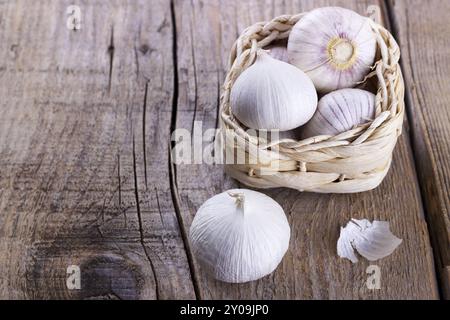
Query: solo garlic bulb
[340, 111]
[334, 46]
[272, 94]
[240, 235]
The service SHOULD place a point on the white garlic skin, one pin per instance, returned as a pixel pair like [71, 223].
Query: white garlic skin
[334, 46]
[278, 52]
[340, 111]
[272, 94]
[372, 240]
[239, 245]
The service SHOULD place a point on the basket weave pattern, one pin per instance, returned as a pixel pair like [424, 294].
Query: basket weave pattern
[353, 161]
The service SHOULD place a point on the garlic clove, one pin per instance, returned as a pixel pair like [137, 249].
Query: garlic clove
[381, 244]
[240, 235]
[340, 111]
[272, 94]
[373, 241]
[334, 46]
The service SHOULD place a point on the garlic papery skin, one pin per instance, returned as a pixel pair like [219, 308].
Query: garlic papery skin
[340, 111]
[336, 47]
[240, 235]
[278, 52]
[272, 94]
[372, 240]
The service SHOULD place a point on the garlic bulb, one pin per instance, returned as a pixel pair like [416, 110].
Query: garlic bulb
[240, 235]
[372, 240]
[340, 111]
[334, 46]
[272, 94]
[278, 52]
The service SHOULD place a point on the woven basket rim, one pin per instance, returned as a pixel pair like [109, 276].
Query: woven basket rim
[375, 135]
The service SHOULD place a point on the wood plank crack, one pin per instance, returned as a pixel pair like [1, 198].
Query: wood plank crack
[141, 231]
[111, 50]
[119, 179]
[412, 134]
[183, 231]
[144, 113]
[172, 169]
[194, 72]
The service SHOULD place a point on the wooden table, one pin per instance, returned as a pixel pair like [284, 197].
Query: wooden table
[86, 178]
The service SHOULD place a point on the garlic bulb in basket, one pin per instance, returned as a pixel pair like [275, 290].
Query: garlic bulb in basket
[334, 46]
[340, 111]
[240, 235]
[278, 52]
[272, 94]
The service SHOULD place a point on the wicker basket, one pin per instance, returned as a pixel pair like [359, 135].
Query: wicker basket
[353, 161]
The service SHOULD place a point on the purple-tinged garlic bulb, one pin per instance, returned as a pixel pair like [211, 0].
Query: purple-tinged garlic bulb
[340, 111]
[335, 47]
[278, 52]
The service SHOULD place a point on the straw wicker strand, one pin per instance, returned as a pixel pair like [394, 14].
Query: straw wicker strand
[353, 161]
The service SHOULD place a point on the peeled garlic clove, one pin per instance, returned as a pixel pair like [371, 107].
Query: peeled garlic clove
[340, 111]
[272, 94]
[373, 241]
[334, 46]
[240, 235]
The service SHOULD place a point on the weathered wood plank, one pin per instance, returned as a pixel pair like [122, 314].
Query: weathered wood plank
[426, 63]
[84, 131]
[311, 268]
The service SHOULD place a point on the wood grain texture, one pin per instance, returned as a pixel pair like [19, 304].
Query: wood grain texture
[426, 62]
[85, 171]
[311, 268]
[77, 183]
